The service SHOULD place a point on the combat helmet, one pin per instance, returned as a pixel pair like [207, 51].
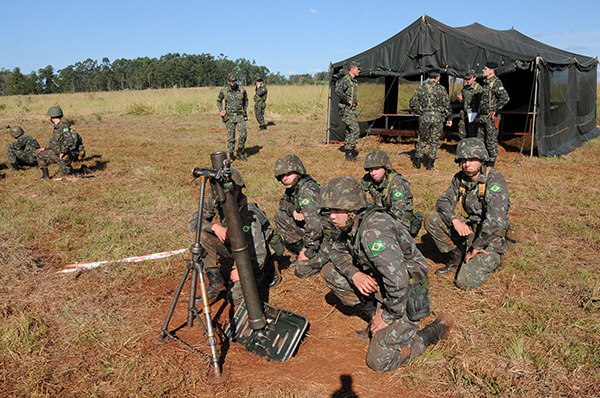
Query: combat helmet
[343, 193]
[288, 164]
[55, 111]
[471, 148]
[16, 131]
[237, 178]
[378, 158]
[231, 77]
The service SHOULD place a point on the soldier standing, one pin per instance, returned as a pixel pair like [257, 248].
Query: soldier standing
[215, 240]
[22, 150]
[260, 103]
[493, 98]
[304, 229]
[389, 189]
[346, 90]
[61, 146]
[470, 95]
[375, 259]
[234, 114]
[480, 196]
[432, 103]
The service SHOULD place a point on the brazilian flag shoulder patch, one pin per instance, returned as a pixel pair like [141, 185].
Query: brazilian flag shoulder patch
[398, 194]
[247, 228]
[305, 201]
[377, 246]
[495, 188]
[65, 129]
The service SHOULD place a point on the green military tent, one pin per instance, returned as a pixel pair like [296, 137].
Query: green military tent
[554, 89]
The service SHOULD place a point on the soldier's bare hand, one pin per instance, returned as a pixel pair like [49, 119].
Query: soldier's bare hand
[220, 232]
[302, 256]
[298, 216]
[223, 112]
[473, 253]
[377, 322]
[234, 276]
[364, 283]
[462, 228]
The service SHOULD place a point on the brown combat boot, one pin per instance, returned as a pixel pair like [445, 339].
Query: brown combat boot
[437, 330]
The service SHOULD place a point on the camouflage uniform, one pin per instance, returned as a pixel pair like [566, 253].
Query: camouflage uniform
[61, 142]
[236, 102]
[432, 103]
[346, 90]
[22, 150]
[471, 98]
[260, 104]
[493, 99]
[257, 230]
[487, 220]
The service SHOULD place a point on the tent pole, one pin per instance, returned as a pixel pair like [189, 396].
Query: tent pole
[535, 107]
[329, 105]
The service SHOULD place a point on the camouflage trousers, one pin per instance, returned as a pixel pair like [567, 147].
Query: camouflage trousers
[384, 350]
[49, 156]
[430, 131]
[236, 121]
[214, 248]
[466, 129]
[292, 233]
[21, 157]
[259, 111]
[350, 119]
[478, 269]
[489, 134]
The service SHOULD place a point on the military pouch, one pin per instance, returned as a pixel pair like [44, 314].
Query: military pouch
[276, 243]
[418, 303]
[509, 233]
[225, 117]
[416, 222]
[81, 155]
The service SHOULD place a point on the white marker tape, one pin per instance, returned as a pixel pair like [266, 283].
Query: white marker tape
[85, 266]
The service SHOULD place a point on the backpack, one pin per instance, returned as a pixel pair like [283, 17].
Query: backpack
[78, 146]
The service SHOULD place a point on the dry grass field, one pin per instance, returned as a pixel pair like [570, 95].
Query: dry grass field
[532, 330]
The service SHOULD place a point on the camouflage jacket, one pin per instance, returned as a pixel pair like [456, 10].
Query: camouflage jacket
[387, 253]
[25, 143]
[393, 193]
[487, 221]
[431, 97]
[304, 198]
[62, 140]
[345, 89]
[256, 226]
[236, 100]
[471, 96]
[261, 94]
[493, 96]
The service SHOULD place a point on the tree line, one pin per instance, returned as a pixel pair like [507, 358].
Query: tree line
[170, 70]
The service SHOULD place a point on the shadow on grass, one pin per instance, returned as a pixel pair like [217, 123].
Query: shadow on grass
[253, 150]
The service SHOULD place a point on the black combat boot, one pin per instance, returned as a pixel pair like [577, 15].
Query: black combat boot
[350, 155]
[263, 127]
[231, 157]
[272, 273]
[294, 247]
[454, 261]
[240, 155]
[437, 330]
[216, 284]
[15, 166]
[417, 163]
[430, 164]
[45, 175]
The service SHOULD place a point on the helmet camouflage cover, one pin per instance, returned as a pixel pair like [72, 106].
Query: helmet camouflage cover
[288, 164]
[343, 193]
[378, 159]
[55, 111]
[471, 148]
[16, 131]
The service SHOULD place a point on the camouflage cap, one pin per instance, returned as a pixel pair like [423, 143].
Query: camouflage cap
[378, 158]
[471, 148]
[343, 193]
[353, 63]
[470, 73]
[16, 131]
[231, 77]
[237, 178]
[288, 164]
[55, 111]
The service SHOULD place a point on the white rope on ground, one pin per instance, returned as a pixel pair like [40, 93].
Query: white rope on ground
[86, 266]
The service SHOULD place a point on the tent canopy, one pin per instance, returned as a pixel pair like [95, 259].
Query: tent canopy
[565, 82]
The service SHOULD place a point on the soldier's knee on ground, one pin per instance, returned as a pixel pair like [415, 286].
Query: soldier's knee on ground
[306, 269]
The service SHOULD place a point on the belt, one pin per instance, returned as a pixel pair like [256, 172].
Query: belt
[236, 113]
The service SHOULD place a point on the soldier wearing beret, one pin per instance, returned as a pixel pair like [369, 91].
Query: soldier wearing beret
[346, 90]
[234, 114]
[470, 95]
[493, 98]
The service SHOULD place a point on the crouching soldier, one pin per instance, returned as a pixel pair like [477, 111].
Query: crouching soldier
[305, 231]
[471, 216]
[376, 260]
[21, 152]
[215, 240]
[389, 189]
[61, 149]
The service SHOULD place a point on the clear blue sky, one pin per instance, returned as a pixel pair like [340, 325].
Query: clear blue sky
[285, 36]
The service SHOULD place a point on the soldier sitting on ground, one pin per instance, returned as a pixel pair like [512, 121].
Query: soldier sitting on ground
[305, 231]
[389, 189]
[61, 149]
[21, 152]
[215, 240]
[374, 265]
[470, 219]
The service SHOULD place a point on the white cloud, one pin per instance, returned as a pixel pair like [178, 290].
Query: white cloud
[575, 47]
[291, 73]
[313, 11]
